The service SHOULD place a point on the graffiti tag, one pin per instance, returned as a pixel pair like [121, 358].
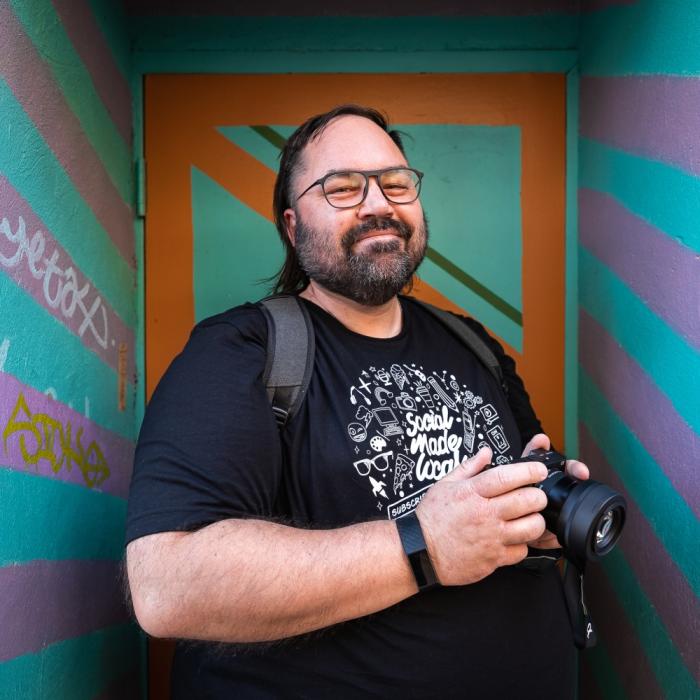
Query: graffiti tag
[61, 288]
[42, 437]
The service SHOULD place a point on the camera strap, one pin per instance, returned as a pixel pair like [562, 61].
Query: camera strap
[585, 635]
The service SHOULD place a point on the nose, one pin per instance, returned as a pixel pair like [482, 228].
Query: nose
[375, 204]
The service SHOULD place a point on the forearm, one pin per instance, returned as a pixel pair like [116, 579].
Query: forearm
[251, 580]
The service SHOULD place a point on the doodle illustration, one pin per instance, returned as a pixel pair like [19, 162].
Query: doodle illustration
[354, 390]
[378, 487]
[388, 420]
[413, 425]
[441, 393]
[489, 413]
[402, 470]
[381, 394]
[399, 376]
[377, 443]
[357, 432]
[380, 463]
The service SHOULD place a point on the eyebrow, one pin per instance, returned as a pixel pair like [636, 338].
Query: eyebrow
[360, 170]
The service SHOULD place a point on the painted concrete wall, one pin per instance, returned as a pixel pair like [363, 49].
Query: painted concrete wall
[67, 319]
[639, 330]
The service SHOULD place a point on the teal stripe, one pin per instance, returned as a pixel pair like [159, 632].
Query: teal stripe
[376, 34]
[44, 353]
[113, 23]
[647, 36]
[666, 197]
[670, 361]
[264, 62]
[571, 264]
[44, 28]
[75, 669]
[666, 662]
[47, 519]
[604, 672]
[32, 168]
[668, 514]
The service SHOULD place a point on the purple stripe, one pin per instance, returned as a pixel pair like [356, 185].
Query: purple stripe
[365, 8]
[653, 116]
[31, 256]
[645, 410]
[662, 272]
[48, 438]
[30, 79]
[48, 601]
[110, 84]
[661, 580]
[620, 639]
[126, 686]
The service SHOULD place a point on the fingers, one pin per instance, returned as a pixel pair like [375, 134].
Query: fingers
[526, 529]
[518, 503]
[499, 480]
[577, 469]
[470, 467]
[539, 441]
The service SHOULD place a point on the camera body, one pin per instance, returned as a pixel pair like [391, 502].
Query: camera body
[586, 516]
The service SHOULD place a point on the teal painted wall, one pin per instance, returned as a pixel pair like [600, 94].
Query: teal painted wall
[639, 337]
[67, 339]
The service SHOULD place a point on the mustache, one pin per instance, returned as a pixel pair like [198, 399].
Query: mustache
[375, 223]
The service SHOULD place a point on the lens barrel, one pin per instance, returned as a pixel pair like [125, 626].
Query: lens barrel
[586, 516]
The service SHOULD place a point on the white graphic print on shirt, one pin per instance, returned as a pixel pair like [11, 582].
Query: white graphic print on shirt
[411, 427]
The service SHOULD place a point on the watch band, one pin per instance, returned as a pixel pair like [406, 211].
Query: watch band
[416, 550]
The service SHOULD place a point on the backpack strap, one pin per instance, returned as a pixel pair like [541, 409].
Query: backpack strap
[470, 338]
[290, 354]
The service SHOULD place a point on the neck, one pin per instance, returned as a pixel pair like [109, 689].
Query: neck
[382, 321]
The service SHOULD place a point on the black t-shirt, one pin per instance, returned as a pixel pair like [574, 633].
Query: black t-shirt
[382, 421]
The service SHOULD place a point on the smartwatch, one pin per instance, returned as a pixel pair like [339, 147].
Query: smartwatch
[416, 550]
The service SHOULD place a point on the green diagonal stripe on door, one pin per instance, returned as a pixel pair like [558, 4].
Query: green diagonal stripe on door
[468, 281]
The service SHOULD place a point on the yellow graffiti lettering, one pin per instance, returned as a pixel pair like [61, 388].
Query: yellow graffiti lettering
[42, 437]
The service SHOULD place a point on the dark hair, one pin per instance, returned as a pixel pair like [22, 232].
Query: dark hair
[291, 277]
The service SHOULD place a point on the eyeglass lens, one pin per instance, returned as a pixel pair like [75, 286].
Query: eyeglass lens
[399, 185]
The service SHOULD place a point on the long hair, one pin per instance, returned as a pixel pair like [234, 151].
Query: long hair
[291, 278]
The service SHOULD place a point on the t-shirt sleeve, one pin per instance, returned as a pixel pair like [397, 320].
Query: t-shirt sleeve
[518, 398]
[209, 447]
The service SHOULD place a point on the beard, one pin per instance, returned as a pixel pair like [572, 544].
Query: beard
[370, 277]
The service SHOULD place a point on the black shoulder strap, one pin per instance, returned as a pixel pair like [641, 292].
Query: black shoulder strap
[290, 354]
[469, 338]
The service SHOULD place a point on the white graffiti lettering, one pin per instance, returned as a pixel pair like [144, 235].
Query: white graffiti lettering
[61, 288]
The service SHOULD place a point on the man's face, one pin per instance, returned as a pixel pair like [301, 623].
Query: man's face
[367, 253]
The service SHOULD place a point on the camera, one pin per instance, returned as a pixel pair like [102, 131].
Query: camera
[586, 516]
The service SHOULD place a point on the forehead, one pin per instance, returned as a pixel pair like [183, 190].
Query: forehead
[350, 142]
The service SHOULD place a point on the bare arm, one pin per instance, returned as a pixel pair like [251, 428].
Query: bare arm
[251, 580]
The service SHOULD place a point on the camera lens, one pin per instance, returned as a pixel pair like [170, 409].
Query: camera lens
[586, 516]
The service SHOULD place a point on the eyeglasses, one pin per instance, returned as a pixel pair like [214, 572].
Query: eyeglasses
[363, 466]
[349, 188]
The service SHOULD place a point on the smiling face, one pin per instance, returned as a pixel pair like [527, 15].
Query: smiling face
[366, 253]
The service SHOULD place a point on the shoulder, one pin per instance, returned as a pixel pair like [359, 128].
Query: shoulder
[414, 305]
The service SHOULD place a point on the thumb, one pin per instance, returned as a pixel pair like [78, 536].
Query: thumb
[539, 441]
[472, 466]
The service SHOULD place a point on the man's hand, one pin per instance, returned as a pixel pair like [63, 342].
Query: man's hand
[474, 521]
[573, 468]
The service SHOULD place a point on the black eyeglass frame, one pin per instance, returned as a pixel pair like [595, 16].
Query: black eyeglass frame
[367, 174]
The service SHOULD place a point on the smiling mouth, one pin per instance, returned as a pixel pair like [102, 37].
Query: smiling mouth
[379, 233]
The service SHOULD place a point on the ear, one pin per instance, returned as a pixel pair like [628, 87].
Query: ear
[290, 224]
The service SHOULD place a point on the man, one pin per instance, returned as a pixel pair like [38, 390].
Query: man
[240, 533]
